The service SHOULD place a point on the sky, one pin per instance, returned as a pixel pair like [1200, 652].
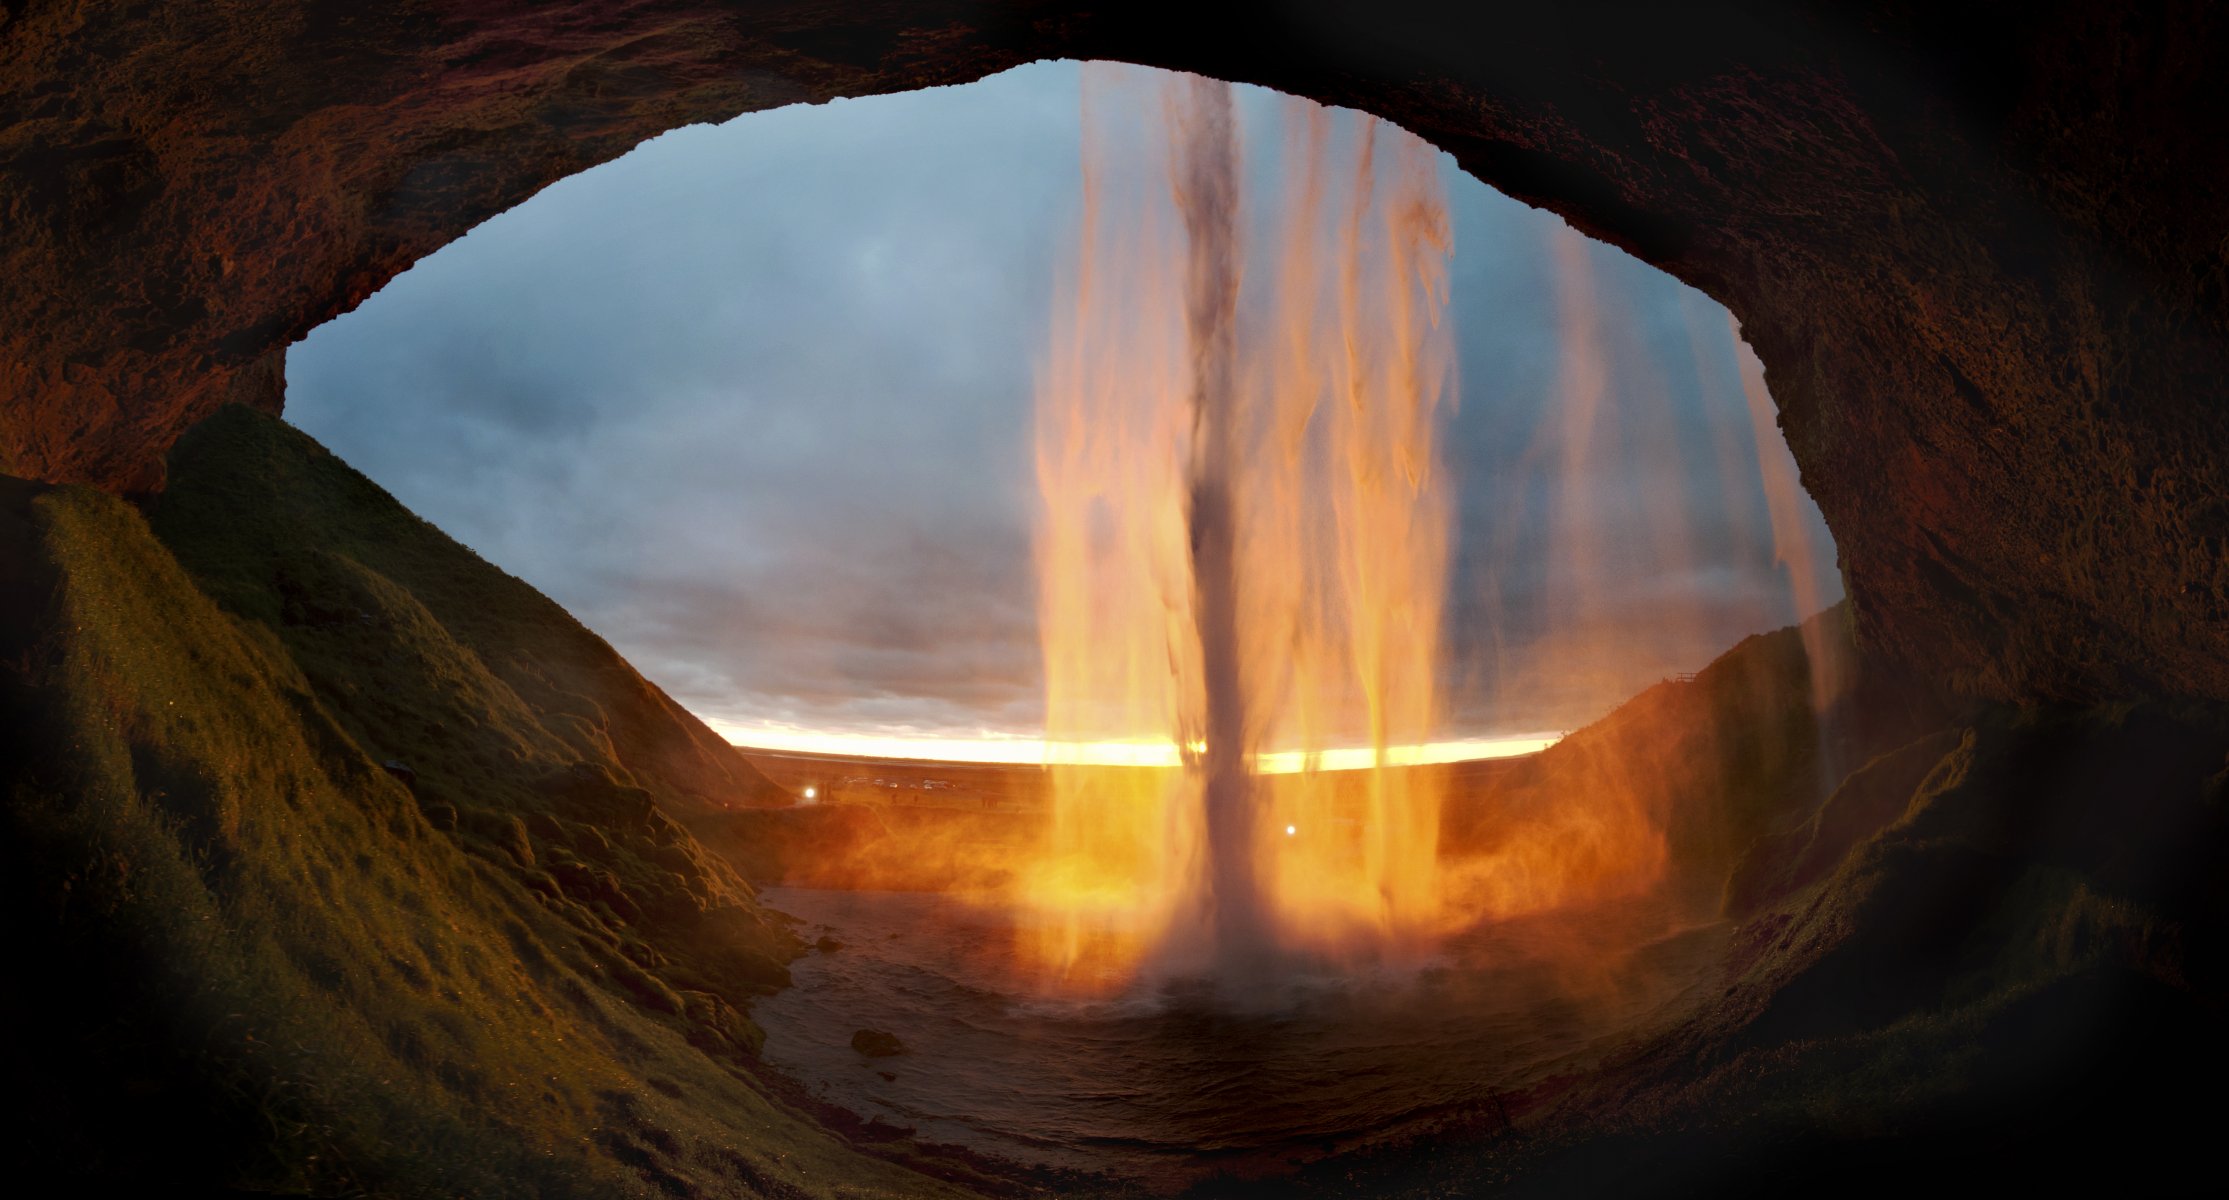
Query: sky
[754, 402]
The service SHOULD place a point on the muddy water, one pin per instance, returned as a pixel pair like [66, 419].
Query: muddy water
[1178, 1078]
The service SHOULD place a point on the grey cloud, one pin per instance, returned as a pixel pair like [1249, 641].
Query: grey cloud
[754, 402]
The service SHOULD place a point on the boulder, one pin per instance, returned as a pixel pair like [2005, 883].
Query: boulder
[875, 1043]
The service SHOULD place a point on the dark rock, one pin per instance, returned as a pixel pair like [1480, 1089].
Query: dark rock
[1980, 252]
[875, 1132]
[1862, 805]
[874, 1043]
[400, 770]
[827, 945]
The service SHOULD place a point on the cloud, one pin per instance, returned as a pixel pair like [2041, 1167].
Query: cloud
[754, 403]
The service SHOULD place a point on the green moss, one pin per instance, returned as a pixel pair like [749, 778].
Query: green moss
[283, 956]
[280, 532]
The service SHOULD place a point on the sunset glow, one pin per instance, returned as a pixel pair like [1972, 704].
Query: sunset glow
[1243, 539]
[990, 747]
[1243, 545]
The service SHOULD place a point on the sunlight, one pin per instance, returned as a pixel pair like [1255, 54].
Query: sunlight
[994, 747]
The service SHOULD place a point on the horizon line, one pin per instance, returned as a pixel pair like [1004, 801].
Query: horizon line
[989, 748]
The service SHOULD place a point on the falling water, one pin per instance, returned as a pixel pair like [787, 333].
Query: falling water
[1204, 169]
[1243, 540]
[1792, 545]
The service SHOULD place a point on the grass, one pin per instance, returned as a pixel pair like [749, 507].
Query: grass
[266, 963]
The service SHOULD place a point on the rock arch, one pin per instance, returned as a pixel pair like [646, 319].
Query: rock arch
[1980, 248]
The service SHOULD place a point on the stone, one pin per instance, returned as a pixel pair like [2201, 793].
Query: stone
[874, 1043]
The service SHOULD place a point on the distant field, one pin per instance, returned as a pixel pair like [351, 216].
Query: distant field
[1004, 787]
[1011, 787]
[910, 824]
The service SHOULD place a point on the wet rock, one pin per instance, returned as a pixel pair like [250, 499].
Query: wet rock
[827, 945]
[876, 1132]
[874, 1043]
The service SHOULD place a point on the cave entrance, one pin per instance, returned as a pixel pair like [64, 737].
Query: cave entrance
[756, 402]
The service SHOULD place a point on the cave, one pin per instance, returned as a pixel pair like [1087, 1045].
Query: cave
[1976, 248]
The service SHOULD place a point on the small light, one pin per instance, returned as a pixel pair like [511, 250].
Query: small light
[811, 792]
[1291, 830]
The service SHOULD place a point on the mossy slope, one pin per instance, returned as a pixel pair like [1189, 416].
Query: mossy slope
[279, 532]
[249, 956]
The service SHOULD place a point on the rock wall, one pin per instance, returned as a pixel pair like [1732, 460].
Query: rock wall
[1979, 247]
